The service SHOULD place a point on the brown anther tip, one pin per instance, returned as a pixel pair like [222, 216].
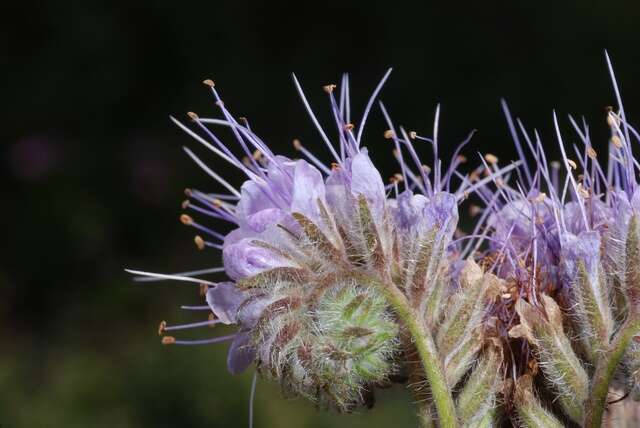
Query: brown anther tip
[257, 154]
[185, 204]
[591, 153]
[413, 135]
[217, 203]
[297, 144]
[192, 115]
[335, 166]
[540, 198]
[161, 327]
[212, 317]
[329, 88]
[246, 161]
[243, 120]
[572, 164]
[203, 289]
[608, 109]
[555, 164]
[349, 126]
[186, 219]
[616, 141]
[209, 82]
[168, 340]
[199, 242]
[389, 134]
[187, 192]
[491, 159]
[398, 176]
[462, 159]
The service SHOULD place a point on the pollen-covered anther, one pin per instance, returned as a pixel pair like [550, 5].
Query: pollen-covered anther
[474, 210]
[612, 120]
[168, 340]
[199, 242]
[592, 153]
[209, 83]
[186, 219]
[329, 88]
[506, 296]
[426, 169]
[162, 327]
[413, 135]
[349, 126]
[499, 182]
[616, 141]
[243, 120]
[491, 159]
[185, 204]
[187, 192]
[297, 144]
[389, 134]
[203, 290]
[540, 197]
[257, 154]
[335, 166]
[217, 203]
[398, 177]
[461, 159]
[572, 164]
[584, 192]
[192, 115]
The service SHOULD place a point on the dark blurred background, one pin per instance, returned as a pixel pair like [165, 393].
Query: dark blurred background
[93, 172]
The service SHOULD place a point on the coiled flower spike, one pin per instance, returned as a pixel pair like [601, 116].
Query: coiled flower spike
[340, 283]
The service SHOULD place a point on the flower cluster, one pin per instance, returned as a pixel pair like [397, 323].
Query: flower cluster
[341, 284]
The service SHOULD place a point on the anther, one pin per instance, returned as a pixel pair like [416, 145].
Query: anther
[413, 135]
[217, 203]
[192, 115]
[616, 141]
[491, 159]
[349, 126]
[168, 340]
[212, 318]
[591, 153]
[297, 144]
[329, 88]
[187, 192]
[335, 166]
[426, 169]
[555, 164]
[474, 210]
[186, 219]
[161, 327]
[257, 154]
[572, 164]
[243, 120]
[209, 83]
[388, 134]
[199, 242]
[185, 204]
[540, 198]
[461, 158]
[203, 289]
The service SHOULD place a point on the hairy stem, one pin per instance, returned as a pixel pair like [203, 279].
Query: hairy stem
[596, 403]
[426, 347]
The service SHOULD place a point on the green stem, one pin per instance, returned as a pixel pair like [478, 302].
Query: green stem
[596, 403]
[426, 347]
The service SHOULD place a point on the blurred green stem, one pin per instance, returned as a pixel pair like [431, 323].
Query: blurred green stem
[597, 401]
[426, 347]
